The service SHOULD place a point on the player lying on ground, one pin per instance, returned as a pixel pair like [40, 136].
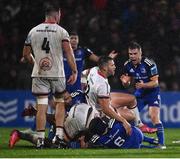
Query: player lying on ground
[112, 134]
[75, 124]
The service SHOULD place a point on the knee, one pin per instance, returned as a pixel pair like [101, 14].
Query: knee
[133, 102]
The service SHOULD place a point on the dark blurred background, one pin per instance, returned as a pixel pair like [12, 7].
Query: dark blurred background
[103, 25]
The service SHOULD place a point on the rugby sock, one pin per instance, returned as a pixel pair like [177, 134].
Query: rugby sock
[137, 119]
[59, 132]
[52, 132]
[41, 134]
[28, 136]
[160, 133]
[150, 140]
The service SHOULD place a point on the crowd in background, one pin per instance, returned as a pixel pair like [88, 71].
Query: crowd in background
[102, 25]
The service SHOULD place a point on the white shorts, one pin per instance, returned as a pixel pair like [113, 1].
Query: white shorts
[43, 86]
[78, 119]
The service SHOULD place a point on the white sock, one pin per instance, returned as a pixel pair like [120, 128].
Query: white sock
[60, 132]
[138, 121]
[41, 134]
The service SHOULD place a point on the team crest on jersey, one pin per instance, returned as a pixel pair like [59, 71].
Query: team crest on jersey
[131, 70]
[45, 64]
[143, 70]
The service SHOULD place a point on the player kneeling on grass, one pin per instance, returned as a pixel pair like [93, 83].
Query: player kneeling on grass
[112, 134]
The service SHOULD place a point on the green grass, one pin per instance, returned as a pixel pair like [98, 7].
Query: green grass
[24, 149]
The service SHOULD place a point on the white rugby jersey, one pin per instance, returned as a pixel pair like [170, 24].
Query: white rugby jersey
[98, 87]
[46, 42]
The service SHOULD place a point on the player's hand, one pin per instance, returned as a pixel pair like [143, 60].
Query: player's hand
[125, 79]
[139, 85]
[113, 54]
[127, 127]
[72, 79]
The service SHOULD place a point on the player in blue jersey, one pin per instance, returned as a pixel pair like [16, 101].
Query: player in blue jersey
[145, 74]
[111, 134]
[80, 54]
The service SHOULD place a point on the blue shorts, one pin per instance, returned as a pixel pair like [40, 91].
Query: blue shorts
[152, 99]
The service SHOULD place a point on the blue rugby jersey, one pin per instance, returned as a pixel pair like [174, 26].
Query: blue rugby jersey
[144, 71]
[80, 55]
[116, 137]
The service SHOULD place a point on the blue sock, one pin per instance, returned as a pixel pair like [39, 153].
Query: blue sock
[160, 133]
[51, 132]
[150, 140]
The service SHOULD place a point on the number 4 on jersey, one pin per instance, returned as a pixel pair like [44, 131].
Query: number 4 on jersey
[45, 45]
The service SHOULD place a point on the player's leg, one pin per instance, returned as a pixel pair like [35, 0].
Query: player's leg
[59, 117]
[27, 135]
[119, 99]
[59, 96]
[143, 127]
[42, 105]
[126, 113]
[41, 88]
[154, 113]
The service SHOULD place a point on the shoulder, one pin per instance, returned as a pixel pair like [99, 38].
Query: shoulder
[148, 62]
[127, 62]
[93, 70]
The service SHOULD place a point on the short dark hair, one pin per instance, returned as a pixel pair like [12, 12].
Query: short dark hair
[73, 33]
[97, 126]
[103, 61]
[49, 8]
[134, 45]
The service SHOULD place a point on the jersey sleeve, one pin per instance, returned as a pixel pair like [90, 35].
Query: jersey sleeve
[87, 52]
[28, 39]
[153, 70]
[103, 91]
[152, 67]
[65, 35]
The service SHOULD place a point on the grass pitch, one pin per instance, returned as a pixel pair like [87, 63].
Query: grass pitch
[24, 149]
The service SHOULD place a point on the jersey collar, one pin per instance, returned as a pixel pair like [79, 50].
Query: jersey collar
[100, 73]
[49, 22]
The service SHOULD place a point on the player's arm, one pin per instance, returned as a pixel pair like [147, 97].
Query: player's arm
[151, 84]
[27, 55]
[93, 57]
[104, 102]
[71, 61]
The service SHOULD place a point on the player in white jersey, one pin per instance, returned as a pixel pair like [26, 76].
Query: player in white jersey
[119, 101]
[98, 93]
[46, 42]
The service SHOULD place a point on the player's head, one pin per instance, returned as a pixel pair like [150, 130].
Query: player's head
[106, 65]
[135, 53]
[97, 126]
[74, 39]
[52, 12]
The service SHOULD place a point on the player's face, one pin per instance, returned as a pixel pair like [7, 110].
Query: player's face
[74, 39]
[111, 68]
[135, 55]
